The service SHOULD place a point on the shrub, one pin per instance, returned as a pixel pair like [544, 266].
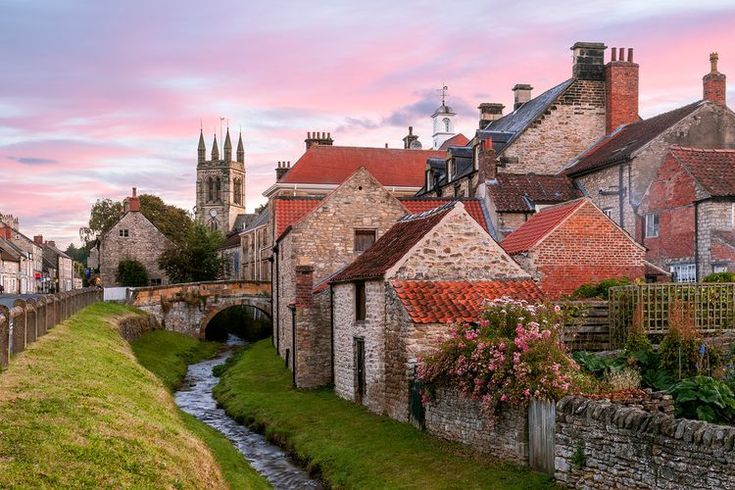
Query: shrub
[679, 349]
[131, 273]
[704, 398]
[626, 379]
[637, 339]
[720, 277]
[600, 289]
[513, 354]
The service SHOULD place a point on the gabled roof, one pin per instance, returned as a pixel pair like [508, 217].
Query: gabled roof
[393, 245]
[325, 164]
[55, 250]
[473, 206]
[456, 140]
[232, 241]
[714, 170]
[451, 301]
[289, 210]
[9, 252]
[260, 219]
[242, 221]
[619, 146]
[506, 129]
[521, 192]
[538, 226]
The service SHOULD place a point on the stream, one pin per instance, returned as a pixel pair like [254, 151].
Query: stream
[195, 397]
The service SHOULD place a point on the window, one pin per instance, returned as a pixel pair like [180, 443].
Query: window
[124, 232]
[237, 184]
[155, 281]
[684, 272]
[210, 189]
[360, 301]
[719, 268]
[608, 212]
[217, 189]
[364, 239]
[447, 125]
[651, 225]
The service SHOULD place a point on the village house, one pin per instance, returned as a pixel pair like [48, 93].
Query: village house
[396, 299]
[256, 243]
[231, 253]
[132, 237]
[30, 276]
[617, 170]
[575, 243]
[10, 266]
[687, 215]
[58, 268]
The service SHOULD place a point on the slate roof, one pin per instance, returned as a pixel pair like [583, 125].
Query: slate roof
[521, 192]
[392, 246]
[288, 210]
[325, 164]
[463, 165]
[506, 129]
[261, 219]
[538, 226]
[9, 252]
[242, 221]
[619, 146]
[450, 301]
[232, 241]
[456, 140]
[714, 170]
[475, 207]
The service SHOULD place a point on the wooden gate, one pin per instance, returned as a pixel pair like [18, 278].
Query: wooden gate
[541, 432]
[417, 414]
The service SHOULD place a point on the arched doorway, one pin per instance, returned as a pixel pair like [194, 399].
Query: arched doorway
[247, 322]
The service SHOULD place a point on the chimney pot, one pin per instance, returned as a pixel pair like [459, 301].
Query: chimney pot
[630, 55]
[613, 54]
[135, 192]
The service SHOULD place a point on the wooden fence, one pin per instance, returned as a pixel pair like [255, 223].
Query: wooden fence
[29, 319]
[711, 307]
[586, 326]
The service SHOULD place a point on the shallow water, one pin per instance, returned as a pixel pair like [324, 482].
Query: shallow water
[195, 397]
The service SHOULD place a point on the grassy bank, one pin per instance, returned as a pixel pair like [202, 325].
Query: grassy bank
[77, 410]
[167, 355]
[352, 447]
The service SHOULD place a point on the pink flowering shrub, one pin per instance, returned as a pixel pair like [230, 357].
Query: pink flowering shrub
[513, 354]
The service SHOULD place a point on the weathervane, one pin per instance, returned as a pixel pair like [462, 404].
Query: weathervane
[443, 92]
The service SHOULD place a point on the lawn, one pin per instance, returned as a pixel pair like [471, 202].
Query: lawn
[349, 446]
[77, 410]
[167, 355]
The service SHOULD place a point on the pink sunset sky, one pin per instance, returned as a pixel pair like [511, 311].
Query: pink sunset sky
[97, 97]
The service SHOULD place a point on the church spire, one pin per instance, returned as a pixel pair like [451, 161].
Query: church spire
[202, 149]
[228, 146]
[215, 149]
[240, 150]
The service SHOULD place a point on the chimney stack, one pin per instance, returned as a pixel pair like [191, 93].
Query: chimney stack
[589, 61]
[489, 112]
[38, 240]
[5, 231]
[132, 203]
[521, 94]
[51, 243]
[714, 83]
[410, 141]
[318, 138]
[281, 170]
[621, 90]
[304, 285]
[487, 160]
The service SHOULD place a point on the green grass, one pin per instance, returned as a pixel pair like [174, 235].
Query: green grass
[77, 410]
[167, 355]
[351, 447]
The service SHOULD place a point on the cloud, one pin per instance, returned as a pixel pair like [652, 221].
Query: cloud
[33, 160]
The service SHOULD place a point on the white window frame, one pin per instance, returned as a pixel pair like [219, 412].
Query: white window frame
[608, 212]
[685, 273]
[719, 268]
[652, 219]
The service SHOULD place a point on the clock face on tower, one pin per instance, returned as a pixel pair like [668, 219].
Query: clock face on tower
[213, 212]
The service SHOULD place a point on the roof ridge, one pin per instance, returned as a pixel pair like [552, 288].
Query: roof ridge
[431, 212]
[350, 147]
[693, 149]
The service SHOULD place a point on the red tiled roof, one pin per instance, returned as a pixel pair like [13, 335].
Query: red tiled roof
[520, 192]
[538, 226]
[323, 164]
[713, 169]
[417, 205]
[456, 140]
[450, 301]
[288, 210]
[389, 249]
[619, 145]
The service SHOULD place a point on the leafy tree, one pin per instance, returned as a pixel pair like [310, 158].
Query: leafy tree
[131, 273]
[196, 258]
[78, 254]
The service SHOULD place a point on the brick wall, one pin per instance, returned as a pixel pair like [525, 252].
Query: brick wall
[712, 215]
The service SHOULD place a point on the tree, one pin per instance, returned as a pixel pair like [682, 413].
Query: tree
[77, 254]
[103, 216]
[131, 273]
[196, 258]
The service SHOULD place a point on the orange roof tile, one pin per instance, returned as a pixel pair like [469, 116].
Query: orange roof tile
[456, 140]
[450, 301]
[713, 169]
[324, 164]
[538, 226]
[417, 205]
[288, 210]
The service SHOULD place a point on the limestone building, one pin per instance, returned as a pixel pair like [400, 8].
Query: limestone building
[220, 186]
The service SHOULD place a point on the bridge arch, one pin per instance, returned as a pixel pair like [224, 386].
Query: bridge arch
[211, 313]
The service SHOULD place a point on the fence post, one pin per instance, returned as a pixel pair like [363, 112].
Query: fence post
[18, 322]
[41, 316]
[31, 328]
[4, 336]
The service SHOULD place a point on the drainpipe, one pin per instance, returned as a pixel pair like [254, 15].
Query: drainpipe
[331, 326]
[621, 193]
[696, 240]
[275, 277]
[293, 343]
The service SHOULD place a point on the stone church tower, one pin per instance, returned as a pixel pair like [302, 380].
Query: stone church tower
[220, 185]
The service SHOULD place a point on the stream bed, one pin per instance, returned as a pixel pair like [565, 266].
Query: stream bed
[195, 397]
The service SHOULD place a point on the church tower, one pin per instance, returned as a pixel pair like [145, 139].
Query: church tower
[443, 119]
[220, 186]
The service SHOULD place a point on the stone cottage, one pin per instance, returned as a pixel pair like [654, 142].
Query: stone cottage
[396, 298]
[574, 243]
[10, 267]
[132, 237]
[616, 170]
[687, 216]
[10, 230]
[58, 269]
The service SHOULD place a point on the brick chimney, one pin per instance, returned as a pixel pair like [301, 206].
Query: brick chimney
[51, 243]
[714, 83]
[489, 112]
[318, 138]
[621, 90]
[589, 61]
[521, 94]
[304, 286]
[38, 240]
[281, 170]
[5, 231]
[132, 203]
[486, 160]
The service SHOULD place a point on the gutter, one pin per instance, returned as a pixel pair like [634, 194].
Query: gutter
[331, 326]
[275, 265]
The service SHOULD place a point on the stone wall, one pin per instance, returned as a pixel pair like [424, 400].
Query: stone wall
[601, 445]
[453, 417]
[132, 327]
[712, 215]
[314, 342]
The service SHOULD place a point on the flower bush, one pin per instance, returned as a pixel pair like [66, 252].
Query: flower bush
[514, 353]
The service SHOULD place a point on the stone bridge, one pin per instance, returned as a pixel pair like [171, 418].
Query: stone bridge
[188, 308]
